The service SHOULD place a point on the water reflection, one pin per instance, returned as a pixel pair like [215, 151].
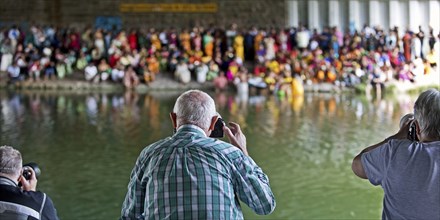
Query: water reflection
[305, 144]
[322, 120]
[126, 110]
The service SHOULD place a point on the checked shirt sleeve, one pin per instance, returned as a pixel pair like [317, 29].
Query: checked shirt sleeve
[133, 206]
[252, 186]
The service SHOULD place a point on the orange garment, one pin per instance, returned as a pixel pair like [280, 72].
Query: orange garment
[320, 76]
[198, 55]
[148, 77]
[209, 47]
[156, 42]
[331, 76]
[338, 65]
[185, 40]
[257, 41]
[153, 65]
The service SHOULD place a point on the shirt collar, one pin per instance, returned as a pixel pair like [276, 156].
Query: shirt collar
[191, 128]
[6, 181]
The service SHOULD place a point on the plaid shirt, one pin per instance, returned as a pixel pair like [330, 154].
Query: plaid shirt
[191, 176]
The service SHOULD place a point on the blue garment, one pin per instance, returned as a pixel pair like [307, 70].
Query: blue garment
[409, 173]
[192, 176]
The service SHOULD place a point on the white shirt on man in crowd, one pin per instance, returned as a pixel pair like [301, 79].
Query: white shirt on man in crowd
[90, 72]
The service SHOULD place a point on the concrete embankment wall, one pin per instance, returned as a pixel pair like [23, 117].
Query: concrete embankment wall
[144, 13]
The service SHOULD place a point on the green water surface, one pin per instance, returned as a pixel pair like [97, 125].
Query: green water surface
[87, 144]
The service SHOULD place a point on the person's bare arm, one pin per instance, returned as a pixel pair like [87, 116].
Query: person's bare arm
[357, 166]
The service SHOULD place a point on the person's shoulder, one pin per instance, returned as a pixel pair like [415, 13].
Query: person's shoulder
[388, 149]
[35, 195]
[432, 147]
[432, 144]
[155, 146]
[38, 197]
[226, 149]
[157, 143]
[395, 144]
[409, 149]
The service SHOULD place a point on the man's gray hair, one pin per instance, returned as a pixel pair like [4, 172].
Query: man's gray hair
[195, 107]
[427, 113]
[10, 161]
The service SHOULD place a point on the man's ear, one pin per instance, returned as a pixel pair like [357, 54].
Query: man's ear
[213, 121]
[173, 117]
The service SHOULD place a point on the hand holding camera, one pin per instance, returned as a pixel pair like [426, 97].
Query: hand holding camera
[28, 180]
[236, 136]
[407, 128]
[234, 133]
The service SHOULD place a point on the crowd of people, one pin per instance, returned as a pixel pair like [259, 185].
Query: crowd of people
[266, 58]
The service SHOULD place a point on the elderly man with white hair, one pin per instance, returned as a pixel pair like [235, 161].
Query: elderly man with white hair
[408, 166]
[193, 176]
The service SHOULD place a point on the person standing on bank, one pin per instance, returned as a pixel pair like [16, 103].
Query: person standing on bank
[192, 176]
[21, 202]
[408, 170]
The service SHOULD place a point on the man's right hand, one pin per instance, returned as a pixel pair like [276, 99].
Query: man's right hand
[236, 136]
[31, 184]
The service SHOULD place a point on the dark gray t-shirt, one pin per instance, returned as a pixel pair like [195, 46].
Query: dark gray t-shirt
[409, 173]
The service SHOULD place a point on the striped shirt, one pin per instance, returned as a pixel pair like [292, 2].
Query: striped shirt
[191, 176]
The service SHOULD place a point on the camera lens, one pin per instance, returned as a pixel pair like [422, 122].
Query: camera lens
[26, 170]
[27, 173]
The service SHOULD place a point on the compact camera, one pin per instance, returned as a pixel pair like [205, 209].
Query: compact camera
[26, 170]
[412, 132]
[218, 129]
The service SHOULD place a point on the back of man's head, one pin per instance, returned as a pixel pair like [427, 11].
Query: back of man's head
[427, 113]
[10, 161]
[195, 107]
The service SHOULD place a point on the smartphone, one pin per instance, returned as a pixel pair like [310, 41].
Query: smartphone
[218, 129]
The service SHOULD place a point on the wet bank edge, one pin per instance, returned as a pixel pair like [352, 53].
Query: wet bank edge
[168, 84]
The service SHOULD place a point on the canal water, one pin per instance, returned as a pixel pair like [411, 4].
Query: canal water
[87, 144]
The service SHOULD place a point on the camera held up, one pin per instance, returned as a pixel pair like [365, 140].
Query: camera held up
[412, 127]
[218, 129]
[26, 170]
